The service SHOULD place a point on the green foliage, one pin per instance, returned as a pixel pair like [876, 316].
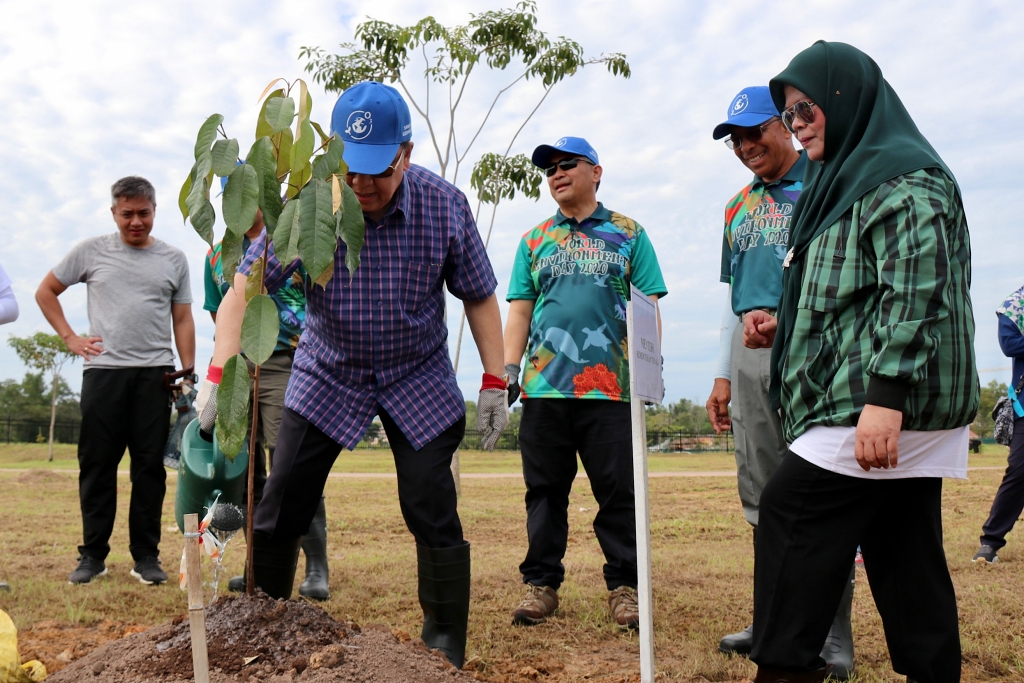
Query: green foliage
[259, 329]
[496, 177]
[983, 423]
[241, 199]
[496, 39]
[46, 353]
[684, 416]
[30, 399]
[306, 223]
[233, 405]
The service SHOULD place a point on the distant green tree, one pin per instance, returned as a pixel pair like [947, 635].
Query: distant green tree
[46, 353]
[29, 399]
[684, 416]
[983, 423]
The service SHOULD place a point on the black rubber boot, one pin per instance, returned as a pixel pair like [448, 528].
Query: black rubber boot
[274, 563]
[444, 597]
[314, 546]
[838, 649]
[739, 643]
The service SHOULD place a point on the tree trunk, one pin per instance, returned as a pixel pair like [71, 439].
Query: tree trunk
[53, 411]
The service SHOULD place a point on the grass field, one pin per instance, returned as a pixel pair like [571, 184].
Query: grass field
[700, 545]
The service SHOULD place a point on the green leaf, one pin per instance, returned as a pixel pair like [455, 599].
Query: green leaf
[230, 255]
[262, 127]
[329, 162]
[254, 280]
[317, 239]
[279, 113]
[241, 199]
[298, 178]
[324, 137]
[260, 326]
[351, 228]
[186, 188]
[286, 235]
[283, 143]
[207, 134]
[203, 218]
[233, 406]
[225, 155]
[302, 148]
[261, 158]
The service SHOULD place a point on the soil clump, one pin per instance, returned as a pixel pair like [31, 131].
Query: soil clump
[260, 640]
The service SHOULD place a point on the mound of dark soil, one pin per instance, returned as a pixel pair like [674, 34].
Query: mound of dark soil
[257, 639]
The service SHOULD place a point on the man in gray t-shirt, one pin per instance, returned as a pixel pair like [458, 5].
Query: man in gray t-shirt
[138, 292]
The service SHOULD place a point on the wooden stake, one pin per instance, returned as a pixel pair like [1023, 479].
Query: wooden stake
[196, 611]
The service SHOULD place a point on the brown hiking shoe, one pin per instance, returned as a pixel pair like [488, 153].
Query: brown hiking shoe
[624, 607]
[540, 601]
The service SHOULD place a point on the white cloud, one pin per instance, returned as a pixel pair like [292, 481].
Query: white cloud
[94, 91]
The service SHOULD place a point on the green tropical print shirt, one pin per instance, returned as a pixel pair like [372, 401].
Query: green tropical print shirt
[885, 315]
[578, 275]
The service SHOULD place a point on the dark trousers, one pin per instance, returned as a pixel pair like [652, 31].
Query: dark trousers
[123, 408]
[303, 459]
[551, 433]
[1009, 500]
[811, 522]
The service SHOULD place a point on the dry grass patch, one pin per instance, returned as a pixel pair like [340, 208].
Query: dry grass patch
[702, 573]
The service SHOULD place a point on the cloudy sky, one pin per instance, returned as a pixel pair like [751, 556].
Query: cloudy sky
[96, 90]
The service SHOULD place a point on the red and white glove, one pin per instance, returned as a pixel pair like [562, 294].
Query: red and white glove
[492, 410]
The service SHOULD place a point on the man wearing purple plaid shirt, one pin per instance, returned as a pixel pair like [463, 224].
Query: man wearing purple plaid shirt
[377, 345]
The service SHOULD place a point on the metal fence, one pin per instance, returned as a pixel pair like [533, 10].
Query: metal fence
[28, 430]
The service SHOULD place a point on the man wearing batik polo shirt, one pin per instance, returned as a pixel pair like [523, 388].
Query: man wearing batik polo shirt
[376, 344]
[567, 312]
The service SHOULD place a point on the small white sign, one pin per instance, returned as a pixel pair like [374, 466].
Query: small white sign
[645, 348]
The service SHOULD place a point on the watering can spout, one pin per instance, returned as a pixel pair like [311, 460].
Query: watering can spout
[204, 473]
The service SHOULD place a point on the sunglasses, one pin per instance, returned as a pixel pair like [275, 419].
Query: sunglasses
[565, 165]
[735, 141]
[804, 110]
[386, 173]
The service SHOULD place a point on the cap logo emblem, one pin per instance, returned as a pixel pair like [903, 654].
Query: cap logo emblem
[561, 142]
[358, 125]
[739, 105]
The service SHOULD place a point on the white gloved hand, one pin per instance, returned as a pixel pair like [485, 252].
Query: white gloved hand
[491, 416]
[206, 405]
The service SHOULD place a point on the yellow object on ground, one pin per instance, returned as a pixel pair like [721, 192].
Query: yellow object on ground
[11, 668]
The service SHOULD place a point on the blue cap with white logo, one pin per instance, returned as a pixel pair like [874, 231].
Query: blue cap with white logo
[752, 107]
[372, 120]
[578, 146]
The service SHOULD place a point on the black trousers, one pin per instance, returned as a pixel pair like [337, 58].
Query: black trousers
[123, 408]
[303, 459]
[1009, 500]
[811, 522]
[551, 433]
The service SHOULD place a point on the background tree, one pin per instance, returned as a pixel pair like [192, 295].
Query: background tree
[983, 423]
[46, 353]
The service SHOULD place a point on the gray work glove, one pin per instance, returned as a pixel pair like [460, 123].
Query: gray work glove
[512, 370]
[491, 411]
[206, 406]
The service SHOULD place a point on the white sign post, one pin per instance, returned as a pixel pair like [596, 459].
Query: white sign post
[645, 386]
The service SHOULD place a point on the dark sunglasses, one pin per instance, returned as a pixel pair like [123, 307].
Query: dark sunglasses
[387, 172]
[565, 165]
[804, 110]
[735, 141]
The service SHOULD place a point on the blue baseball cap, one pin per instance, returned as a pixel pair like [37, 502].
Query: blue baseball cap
[752, 107]
[542, 155]
[372, 120]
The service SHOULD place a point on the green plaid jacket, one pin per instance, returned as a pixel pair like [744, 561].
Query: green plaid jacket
[885, 315]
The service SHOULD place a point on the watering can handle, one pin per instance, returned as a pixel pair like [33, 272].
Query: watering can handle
[171, 377]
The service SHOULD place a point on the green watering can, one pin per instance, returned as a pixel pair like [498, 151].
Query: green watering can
[204, 473]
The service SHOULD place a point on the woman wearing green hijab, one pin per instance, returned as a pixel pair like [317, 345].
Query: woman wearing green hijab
[874, 371]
